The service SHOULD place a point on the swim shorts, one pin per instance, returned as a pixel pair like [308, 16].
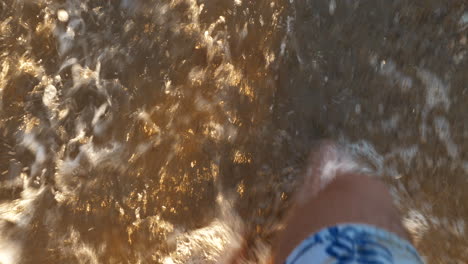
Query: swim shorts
[354, 243]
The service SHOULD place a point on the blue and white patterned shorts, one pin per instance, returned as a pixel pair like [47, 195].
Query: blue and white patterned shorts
[354, 243]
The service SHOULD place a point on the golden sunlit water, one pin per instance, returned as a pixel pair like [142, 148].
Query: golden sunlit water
[176, 131]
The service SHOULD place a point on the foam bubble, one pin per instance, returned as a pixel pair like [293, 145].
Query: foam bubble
[62, 15]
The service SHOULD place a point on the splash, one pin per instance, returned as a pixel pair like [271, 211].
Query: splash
[112, 126]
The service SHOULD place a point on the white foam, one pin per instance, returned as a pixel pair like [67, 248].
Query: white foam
[66, 40]
[82, 76]
[365, 150]
[10, 252]
[99, 122]
[436, 95]
[80, 131]
[332, 161]
[465, 166]
[39, 150]
[108, 154]
[83, 252]
[88, 158]
[3, 80]
[416, 223]
[464, 20]
[67, 63]
[19, 212]
[68, 166]
[196, 75]
[203, 245]
[408, 154]
[96, 156]
[459, 227]
[214, 243]
[216, 131]
[333, 166]
[390, 124]
[436, 90]
[332, 7]
[73, 25]
[389, 69]
[50, 96]
[243, 32]
[442, 128]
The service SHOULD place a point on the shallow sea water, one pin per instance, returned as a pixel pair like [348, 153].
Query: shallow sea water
[176, 131]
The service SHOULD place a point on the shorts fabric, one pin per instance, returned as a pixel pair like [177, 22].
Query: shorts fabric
[354, 243]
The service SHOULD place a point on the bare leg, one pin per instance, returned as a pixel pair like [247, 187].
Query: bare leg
[344, 197]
